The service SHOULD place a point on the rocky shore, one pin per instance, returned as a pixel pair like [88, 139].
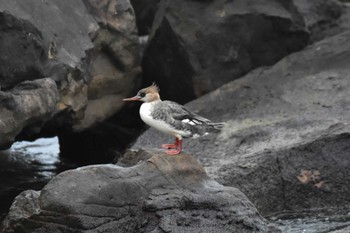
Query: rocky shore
[275, 72]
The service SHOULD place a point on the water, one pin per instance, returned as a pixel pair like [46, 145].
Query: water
[28, 165]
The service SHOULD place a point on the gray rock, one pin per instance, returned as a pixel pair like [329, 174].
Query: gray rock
[114, 73]
[24, 205]
[88, 50]
[42, 42]
[196, 49]
[324, 18]
[160, 193]
[115, 63]
[30, 103]
[285, 142]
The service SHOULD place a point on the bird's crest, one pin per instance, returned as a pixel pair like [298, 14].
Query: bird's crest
[153, 88]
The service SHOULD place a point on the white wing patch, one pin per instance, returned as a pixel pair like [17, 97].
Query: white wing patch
[191, 122]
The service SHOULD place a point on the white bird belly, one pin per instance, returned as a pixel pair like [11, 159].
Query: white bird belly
[145, 114]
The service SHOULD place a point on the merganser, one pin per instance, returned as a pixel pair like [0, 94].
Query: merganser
[171, 118]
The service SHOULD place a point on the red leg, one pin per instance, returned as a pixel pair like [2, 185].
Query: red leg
[177, 151]
[170, 146]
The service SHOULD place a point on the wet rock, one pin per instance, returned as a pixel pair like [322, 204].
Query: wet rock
[160, 193]
[197, 48]
[286, 139]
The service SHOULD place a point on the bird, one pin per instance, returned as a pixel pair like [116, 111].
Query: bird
[171, 118]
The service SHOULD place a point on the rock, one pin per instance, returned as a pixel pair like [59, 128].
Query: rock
[286, 139]
[115, 63]
[24, 205]
[106, 139]
[316, 222]
[196, 49]
[160, 193]
[114, 72]
[40, 41]
[92, 58]
[323, 18]
[145, 11]
[29, 105]
[19, 33]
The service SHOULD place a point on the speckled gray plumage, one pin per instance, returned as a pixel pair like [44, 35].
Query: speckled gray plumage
[175, 115]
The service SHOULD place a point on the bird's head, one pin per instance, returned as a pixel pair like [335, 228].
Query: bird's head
[148, 94]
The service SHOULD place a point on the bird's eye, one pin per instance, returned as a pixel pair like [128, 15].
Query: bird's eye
[142, 94]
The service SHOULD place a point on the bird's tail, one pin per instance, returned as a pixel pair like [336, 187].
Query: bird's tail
[217, 126]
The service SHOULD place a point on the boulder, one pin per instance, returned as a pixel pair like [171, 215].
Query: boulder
[150, 192]
[40, 41]
[195, 49]
[285, 143]
[30, 103]
[89, 53]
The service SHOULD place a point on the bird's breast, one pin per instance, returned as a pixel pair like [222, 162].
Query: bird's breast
[145, 112]
[146, 115]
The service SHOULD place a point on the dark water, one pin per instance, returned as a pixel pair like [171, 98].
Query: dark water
[28, 165]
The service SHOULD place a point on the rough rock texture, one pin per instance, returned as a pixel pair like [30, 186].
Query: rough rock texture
[24, 205]
[115, 65]
[161, 193]
[197, 48]
[324, 18]
[42, 45]
[114, 72]
[93, 60]
[29, 105]
[286, 141]
[145, 11]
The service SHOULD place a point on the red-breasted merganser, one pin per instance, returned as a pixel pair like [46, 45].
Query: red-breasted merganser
[171, 118]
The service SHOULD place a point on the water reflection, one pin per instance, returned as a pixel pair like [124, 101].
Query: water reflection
[28, 165]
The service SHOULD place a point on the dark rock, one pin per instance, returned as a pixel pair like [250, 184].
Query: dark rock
[286, 139]
[145, 10]
[40, 40]
[106, 139]
[197, 48]
[24, 205]
[92, 58]
[16, 33]
[159, 194]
